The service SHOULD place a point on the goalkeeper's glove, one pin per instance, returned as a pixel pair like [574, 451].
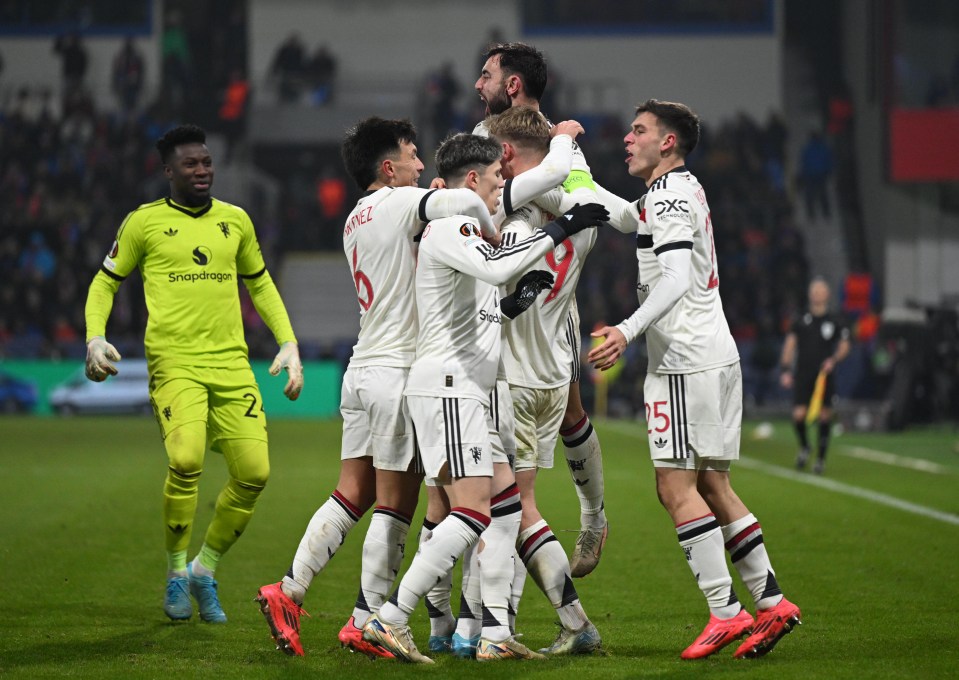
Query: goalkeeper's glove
[289, 358]
[576, 219]
[528, 287]
[100, 357]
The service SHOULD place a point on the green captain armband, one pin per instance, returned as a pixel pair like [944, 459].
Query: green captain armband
[578, 179]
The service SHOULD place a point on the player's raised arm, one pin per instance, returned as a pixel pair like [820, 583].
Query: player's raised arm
[623, 214]
[496, 266]
[449, 202]
[552, 171]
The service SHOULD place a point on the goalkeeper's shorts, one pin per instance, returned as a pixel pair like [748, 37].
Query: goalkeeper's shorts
[227, 399]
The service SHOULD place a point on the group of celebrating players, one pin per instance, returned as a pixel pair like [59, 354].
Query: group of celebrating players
[465, 373]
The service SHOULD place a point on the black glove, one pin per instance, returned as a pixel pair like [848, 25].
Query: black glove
[576, 219]
[528, 287]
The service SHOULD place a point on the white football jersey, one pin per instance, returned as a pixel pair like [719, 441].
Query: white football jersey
[378, 242]
[537, 351]
[457, 302]
[693, 335]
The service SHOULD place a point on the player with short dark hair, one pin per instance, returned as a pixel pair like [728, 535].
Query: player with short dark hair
[178, 136]
[693, 387]
[516, 60]
[369, 142]
[192, 251]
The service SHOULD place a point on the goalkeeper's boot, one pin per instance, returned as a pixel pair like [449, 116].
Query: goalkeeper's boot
[802, 458]
[203, 589]
[771, 625]
[176, 602]
[464, 647]
[583, 640]
[282, 614]
[589, 546]
[510, 648]
[397, 638]
[351, 637]
[719, 633]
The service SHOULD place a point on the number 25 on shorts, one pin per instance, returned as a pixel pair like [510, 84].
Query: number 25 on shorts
[656, 412]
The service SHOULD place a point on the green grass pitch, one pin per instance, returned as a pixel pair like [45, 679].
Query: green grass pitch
[870, 552]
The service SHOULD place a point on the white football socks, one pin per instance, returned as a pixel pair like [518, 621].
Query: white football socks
[323, 537]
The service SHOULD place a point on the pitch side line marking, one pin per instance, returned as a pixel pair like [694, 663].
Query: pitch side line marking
[849, 490]
[886, 458]
[821, 482]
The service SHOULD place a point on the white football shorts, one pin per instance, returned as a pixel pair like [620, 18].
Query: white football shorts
[453, 436]
[539, 416]
[501, 426]
[694, 420]
[376, 421]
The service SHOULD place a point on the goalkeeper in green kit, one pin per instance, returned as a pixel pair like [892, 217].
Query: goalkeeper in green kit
[192, 250]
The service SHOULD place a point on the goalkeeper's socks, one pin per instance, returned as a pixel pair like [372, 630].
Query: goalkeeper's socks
[744, 541]
[584, 457]
[176, 563]
[206, 561]
[199, 569]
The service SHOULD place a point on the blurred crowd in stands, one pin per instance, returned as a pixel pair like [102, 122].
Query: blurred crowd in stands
[69, 173]
[300, 74]
[72, 168]
[67, 181]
